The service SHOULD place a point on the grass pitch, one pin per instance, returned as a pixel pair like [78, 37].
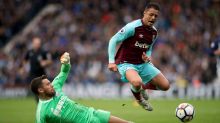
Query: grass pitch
[207, 111]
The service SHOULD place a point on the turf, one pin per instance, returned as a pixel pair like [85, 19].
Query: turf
[207, 111]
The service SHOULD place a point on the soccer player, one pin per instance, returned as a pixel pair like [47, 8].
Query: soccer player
[215, 50]
[55, 107]
[132, 59]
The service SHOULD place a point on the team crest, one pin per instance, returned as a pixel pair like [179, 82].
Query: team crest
[141, 36]
[122, 31]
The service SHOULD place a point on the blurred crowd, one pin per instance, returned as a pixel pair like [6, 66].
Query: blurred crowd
[84, 27]
[14, 14]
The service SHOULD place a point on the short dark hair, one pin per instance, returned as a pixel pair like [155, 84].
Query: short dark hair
[153, 5]
[36, 83]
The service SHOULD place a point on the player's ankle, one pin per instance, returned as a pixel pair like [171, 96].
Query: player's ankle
[144, 94]
[135, 89]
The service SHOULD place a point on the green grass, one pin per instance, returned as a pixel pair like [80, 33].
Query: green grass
[207, 111]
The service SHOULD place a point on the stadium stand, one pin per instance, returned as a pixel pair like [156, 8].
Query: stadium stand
[186, 29]
[15, 14]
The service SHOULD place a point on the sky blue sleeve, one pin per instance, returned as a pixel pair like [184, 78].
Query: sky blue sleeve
[126, 32]
[149, 52]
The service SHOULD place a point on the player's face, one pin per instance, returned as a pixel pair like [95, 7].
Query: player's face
[47, 88]
[150, 16]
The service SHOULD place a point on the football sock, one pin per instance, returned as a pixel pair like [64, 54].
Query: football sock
[136, 92]
[134, 89]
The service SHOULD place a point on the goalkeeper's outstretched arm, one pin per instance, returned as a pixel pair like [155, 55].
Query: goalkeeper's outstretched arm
[59, 80]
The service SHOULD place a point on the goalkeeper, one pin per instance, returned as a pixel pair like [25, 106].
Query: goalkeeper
[55, 107]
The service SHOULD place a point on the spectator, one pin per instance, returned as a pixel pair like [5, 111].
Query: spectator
[38, 59]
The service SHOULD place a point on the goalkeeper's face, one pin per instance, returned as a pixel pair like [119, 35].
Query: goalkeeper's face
[47, 88]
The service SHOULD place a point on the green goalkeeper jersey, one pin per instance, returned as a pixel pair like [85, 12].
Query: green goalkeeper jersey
[60, 109]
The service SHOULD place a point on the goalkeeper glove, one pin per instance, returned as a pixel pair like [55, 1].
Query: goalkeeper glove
[65, 58]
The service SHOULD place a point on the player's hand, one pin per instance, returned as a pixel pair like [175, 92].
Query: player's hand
[112, 67]
[65, 58]
[145, 57]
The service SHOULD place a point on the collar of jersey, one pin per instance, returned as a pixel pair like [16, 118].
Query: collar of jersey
[45, 101]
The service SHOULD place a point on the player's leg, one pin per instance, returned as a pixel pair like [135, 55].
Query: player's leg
[134, 79]
[114, 119]
[101, 116]
[153, 78]
[136, 88]
[161, 82]
[129, 73]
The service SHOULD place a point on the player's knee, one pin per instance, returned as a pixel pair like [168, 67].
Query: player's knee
[166, 86]
[136, 83]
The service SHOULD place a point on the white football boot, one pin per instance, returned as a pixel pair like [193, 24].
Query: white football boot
[145, 104]
[144, 101]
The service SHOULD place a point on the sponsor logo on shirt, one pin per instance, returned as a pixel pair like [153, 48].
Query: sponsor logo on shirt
[141, 45]
[59, 106]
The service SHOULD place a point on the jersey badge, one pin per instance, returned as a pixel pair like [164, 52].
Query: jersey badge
[122, 31]
[141, 36]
